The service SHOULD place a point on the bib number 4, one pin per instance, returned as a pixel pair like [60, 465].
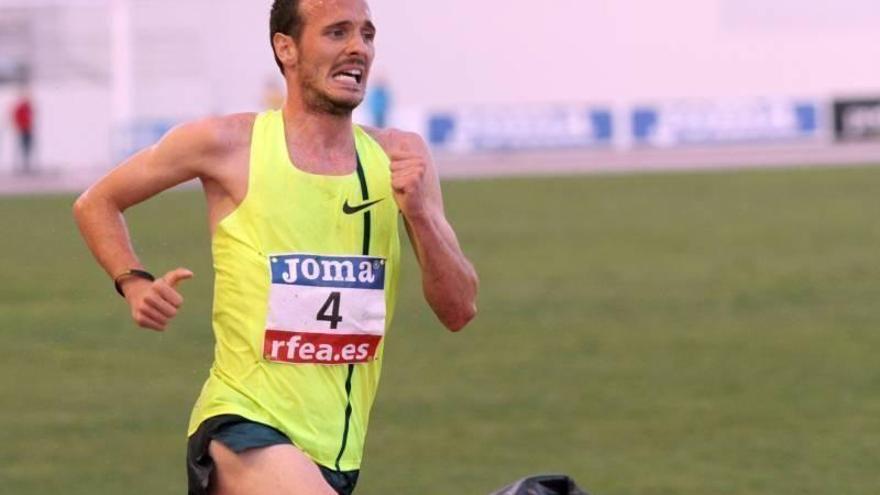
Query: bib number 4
[330, 310]
[305, 321]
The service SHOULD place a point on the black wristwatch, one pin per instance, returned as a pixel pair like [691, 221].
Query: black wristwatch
[134, 272]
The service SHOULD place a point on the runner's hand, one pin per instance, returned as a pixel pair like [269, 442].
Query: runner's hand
[410, 158]
[153, 304]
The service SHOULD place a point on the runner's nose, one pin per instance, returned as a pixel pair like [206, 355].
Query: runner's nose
[360, 46]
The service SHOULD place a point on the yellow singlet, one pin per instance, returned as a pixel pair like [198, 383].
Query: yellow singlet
[306, 280]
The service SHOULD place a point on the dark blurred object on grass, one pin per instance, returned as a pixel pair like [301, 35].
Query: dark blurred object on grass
[542, 484]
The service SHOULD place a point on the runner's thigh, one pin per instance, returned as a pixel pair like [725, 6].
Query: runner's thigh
[274, 470]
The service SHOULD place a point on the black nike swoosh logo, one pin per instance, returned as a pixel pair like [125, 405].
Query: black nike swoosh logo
[351, 210]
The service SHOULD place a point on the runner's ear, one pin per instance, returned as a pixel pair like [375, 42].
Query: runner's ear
[285, 49]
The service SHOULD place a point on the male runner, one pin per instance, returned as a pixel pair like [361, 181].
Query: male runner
[303, 210]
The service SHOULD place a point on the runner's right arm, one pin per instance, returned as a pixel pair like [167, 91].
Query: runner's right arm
[183, 154]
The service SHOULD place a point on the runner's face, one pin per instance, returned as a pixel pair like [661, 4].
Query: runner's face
[335, 54]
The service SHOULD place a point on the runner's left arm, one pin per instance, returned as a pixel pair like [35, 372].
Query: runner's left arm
[449, 281]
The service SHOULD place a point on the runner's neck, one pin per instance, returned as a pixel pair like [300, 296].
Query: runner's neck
[320, 143]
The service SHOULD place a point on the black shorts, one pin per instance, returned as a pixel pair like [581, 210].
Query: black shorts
[240, 434]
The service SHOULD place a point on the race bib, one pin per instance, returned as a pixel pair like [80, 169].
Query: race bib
[325, 309]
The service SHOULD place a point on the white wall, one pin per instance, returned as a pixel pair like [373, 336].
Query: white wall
[508, 51]
[436, 54]
[623, 50]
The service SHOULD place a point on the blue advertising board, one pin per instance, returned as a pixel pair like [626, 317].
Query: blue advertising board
[521, 128]
[706, 123]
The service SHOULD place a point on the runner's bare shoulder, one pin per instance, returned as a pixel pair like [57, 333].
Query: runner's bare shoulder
[221, 135]
[209, 144]
[392, 140]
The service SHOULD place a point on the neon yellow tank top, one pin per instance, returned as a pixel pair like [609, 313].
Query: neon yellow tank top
[305, 285]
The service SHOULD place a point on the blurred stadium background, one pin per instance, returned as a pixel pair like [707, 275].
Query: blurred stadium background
[651, 333]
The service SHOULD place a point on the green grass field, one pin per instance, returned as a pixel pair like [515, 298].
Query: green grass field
[684, 334]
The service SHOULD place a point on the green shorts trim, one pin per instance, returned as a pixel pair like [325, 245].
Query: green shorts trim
[240, 434]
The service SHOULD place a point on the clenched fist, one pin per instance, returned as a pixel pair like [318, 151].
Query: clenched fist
[410, 162]
[153, 304]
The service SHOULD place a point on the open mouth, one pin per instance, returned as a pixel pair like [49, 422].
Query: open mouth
[352, 76]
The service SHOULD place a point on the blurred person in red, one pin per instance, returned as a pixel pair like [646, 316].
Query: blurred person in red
[23, 120]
